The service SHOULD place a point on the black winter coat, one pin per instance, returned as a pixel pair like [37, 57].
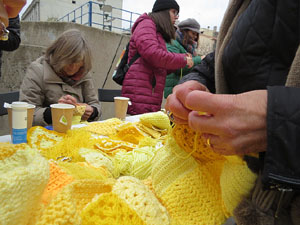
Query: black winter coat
[14, 39]
[258, 56]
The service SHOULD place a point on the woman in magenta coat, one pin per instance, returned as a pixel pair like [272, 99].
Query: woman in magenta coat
[145, 80]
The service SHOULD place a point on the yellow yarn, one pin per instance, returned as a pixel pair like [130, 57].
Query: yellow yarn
[23, 177]
[137, 163]
[236, 181]
[84, 171]
[107, 127]
[189, 191]
[157, 119]
[61, 210]
[96, 158]
[58, 179]
[168, 167]
[141, 200]
[7, 149]
[83, 191]
[148, 141]
[185, 138]
[70, 145]
[128, 132]
[210, 185]
[109, 209]
[40, 138]
[66, 207]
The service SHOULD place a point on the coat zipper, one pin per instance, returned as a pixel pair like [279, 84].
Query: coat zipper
[282, 189]
[295, 183]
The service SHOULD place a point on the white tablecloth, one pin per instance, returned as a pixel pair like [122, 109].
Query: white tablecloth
[7, 138]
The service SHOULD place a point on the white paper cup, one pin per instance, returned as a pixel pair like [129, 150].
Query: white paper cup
[121, 105]
[62, 117]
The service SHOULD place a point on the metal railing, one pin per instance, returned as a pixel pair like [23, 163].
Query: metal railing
[95, 14]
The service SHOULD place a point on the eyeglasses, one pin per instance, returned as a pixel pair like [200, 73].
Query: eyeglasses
[175, 12]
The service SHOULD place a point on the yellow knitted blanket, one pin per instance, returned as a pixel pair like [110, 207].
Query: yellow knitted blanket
[196, 185]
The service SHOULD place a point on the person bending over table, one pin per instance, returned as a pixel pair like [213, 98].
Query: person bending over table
[61, 75]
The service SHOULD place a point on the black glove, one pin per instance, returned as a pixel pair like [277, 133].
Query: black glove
[48, 115]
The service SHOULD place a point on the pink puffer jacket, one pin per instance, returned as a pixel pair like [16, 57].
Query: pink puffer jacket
[145, 81]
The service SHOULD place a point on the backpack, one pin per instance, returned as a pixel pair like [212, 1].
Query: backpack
[122, 66]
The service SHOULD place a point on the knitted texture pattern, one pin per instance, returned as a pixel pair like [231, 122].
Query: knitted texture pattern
[128, 132]
[61, 210]
[109, 209]
[141, 200]
[107, 127]
[41, 138]
[157, 119]
[96, 159]
[82, 170]
[83, 191]
[68, 204]
[58, 179]
[236, 180]
[189, 191]
[23, 177]
[191, 142]
[8, 150]
[69, 146]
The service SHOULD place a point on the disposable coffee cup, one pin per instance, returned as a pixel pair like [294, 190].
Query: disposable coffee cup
[62, 117]
[121, 105]
[30, 113]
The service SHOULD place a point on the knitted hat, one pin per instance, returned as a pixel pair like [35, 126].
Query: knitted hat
[189, 24]
[160, 5]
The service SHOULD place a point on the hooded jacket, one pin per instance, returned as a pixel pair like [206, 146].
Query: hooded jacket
[145, 80]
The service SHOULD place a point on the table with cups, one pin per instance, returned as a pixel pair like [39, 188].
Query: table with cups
[20, 118]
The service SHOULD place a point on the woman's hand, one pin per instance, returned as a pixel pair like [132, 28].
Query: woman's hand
[88, 112]
[176, 101]
[68, 99]
[189, 61]
[234, 124]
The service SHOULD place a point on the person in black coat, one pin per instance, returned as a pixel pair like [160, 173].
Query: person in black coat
[14, 40]
[256, 108]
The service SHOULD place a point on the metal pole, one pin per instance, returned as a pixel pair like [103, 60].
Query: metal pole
[90, 13]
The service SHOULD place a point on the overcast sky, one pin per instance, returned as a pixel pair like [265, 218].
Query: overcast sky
[206, 12]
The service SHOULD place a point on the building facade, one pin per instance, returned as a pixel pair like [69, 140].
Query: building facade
[103, 14]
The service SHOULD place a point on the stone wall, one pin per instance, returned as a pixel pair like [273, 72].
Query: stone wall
[36, 36]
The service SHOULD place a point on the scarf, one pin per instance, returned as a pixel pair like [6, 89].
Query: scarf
[71, 80]
[190, 47]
